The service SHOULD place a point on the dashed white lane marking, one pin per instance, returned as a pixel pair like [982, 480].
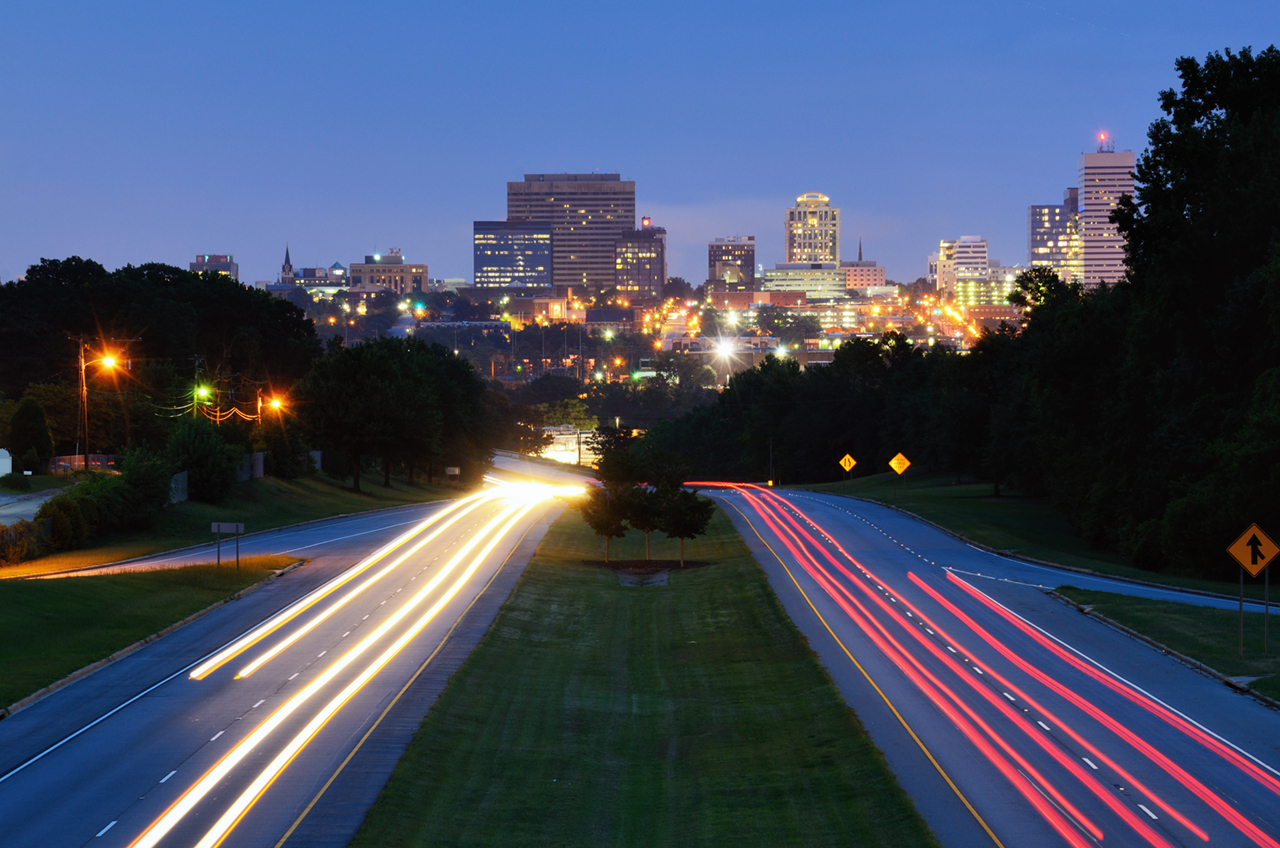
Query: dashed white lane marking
[345, 635]
[295, 674]
[260, 703]
[1010, 697]
[1046, 727]
[382, 603]
[216, 735]
[105, 829]
[321, 654]
[951, 649]
[366, 618]
[169, 775]
[975, 668]
[1090, 762]
[1145, 810]
[931, 633]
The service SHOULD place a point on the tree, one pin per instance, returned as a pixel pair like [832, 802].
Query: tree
[643, 509]
[29, 431]
[684, 515]
[197, 448]
[604, 510]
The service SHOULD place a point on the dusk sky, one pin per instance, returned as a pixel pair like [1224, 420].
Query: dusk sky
[139, 132]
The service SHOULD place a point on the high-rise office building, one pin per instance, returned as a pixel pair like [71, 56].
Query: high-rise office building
[813, 230]
[962, 261]
[515, 254]
[818, 280]
[731, 263]
[1105, 177]
[390, 271]
[220, 263]
[1053, 236]
[640, 261]
[587, 213]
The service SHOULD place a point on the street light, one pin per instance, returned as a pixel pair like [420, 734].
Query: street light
[107, 362]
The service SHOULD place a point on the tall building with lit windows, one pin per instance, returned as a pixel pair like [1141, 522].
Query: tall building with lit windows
[813, 230]
[587, 213]
[1053, 236]
[731, 263]
[640, 261]
[1105, 177]
[512, 254]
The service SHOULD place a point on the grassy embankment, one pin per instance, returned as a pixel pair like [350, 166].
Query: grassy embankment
[1010, 523]
[39, 483]
[260, 504]
[50, 628]
[592, 713]
[1211, 636]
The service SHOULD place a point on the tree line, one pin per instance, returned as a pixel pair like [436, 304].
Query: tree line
[1148, 411]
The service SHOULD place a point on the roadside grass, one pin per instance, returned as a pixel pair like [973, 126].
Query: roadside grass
[598, 714]
[1010, 523]
[261, 504]
[41, 483]
[1209, 635]
[50, 628]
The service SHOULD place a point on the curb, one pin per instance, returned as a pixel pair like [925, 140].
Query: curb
[1023, 558]
[1164, 649]
[204, 544]
[141, 643]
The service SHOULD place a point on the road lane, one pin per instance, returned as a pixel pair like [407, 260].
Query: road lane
[1044, 747]
[240, 754]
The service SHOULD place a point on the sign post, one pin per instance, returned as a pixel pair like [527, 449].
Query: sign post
[847, 463]
[1254, 550]
[220, 527]
[899, 464]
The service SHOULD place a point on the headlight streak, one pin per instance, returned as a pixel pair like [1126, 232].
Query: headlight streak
[262, 659]
[309, 600]
[229, 819]
[1022, 723]
[1034, 797]
[1186, 780]
[179, 808]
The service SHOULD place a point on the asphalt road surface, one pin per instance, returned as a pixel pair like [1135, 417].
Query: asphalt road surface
[230, 729]
[1009, 717]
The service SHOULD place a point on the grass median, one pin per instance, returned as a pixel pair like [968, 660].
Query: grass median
[688, 714]
[50, 628]
[262, 504]
[1205, 634]
[1011, 523]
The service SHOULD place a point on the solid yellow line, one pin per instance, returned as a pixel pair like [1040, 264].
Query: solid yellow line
[879, 691]
[404, 689]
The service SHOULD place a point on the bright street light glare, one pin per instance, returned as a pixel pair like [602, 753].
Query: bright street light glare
[109, 361]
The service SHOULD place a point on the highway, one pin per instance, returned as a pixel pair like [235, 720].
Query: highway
[1010, 718]
[228, 730]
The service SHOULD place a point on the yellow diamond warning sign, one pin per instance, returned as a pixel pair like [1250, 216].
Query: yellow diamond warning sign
[1253, 550]
[848, 462]
[899, 463]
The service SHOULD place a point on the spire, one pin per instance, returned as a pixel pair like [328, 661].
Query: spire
[859, 248]
[286, 254]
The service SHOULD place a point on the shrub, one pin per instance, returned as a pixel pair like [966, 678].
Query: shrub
[20, 541]
[197, 448]
[29, 432]
[67, 530]
[150, 475]
[31, 461]
[15, 480]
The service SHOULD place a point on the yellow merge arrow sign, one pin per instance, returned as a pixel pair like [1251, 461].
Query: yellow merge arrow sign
[848, 462]
[899, 464]
[1253, 550]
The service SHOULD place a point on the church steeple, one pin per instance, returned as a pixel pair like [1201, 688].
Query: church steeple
[286, 270]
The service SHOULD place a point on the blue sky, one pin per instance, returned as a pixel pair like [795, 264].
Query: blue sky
[153, 131]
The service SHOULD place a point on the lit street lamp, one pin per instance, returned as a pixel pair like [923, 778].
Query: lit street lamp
[107, 362]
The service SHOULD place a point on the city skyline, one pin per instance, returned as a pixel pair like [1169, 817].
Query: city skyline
[109, 159]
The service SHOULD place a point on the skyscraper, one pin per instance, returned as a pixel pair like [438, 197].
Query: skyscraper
[1105, 177]
[1053, 236]
[640, 261]
[960, 263]
[731, 263]
[587, 212]
[813, 230]
[512, 254]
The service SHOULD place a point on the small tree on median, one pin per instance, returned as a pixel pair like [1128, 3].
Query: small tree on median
[684, 515]
[604, 510]
[644, 511]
